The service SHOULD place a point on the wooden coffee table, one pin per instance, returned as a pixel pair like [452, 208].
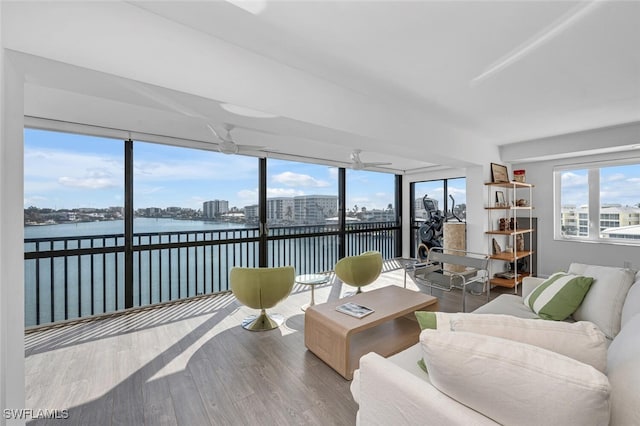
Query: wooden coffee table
[340, 340]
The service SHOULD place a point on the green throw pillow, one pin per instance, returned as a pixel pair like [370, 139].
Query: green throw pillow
[559, 296]
[426, 320]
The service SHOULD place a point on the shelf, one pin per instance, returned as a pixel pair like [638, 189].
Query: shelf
[510, 283]
[510, 232]
[520, 232]
[510, 208]
[509, 256]
[512, 184]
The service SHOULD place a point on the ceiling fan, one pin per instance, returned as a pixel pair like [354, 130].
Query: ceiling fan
[357, 164]
[227, 145]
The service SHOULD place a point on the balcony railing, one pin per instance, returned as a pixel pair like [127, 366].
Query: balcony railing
[75, 277]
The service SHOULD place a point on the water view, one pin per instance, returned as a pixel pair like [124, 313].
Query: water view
[172, 259]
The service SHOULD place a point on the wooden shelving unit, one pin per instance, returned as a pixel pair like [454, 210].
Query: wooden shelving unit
[508, 238]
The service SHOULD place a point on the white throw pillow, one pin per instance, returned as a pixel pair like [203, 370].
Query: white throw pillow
[515, 383]
[623, 372]
[631, 305]
[582, 341]
[603, 303]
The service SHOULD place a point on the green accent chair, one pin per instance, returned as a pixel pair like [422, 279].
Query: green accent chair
[262, 288]
[361, 270]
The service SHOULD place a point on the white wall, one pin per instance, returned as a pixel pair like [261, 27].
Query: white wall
[12, 383]
[555, 255]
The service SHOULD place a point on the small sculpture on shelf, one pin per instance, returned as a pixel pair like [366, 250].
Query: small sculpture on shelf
[496, 247]
[519, 242]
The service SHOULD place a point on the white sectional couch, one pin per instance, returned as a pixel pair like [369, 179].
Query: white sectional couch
[396, 391]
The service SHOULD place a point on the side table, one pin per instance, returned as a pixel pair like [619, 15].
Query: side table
[312, 280]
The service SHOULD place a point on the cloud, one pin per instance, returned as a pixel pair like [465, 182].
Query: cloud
[147, 190]
[283, 192]
[34, 200]
[93, 179]
[246, 197]
[202, 167]
[297, 179]
[615, 177]
[333, 173]
[572, 180]
[87, 183]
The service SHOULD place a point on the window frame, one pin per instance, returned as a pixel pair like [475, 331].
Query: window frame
[594, 203]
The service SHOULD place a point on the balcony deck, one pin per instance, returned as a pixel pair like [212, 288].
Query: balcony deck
[191, 363]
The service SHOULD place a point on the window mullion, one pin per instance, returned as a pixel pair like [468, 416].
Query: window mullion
[594, 204]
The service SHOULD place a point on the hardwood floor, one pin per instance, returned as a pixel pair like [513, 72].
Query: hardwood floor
[192, 364]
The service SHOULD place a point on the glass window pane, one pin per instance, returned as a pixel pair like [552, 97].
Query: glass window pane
[184, 195]
[574, 202]
[433, 189]
[178, 189]
[75, 182]
[620, 202]
[370, 208]
[302, 206]
[370, 196]
[457, 189]
[73, 199]
[301, 193]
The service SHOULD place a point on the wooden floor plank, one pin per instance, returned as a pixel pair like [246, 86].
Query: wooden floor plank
[192, 364]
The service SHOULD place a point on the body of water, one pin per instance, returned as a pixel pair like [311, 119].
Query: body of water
[140, 225]
[76, 285]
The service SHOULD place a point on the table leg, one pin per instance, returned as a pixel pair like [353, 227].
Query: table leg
[313, 300]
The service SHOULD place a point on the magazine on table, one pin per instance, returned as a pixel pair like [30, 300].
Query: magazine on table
[354, 310]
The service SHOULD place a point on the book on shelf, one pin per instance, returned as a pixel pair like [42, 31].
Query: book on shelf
[354, 310]
[507, 275]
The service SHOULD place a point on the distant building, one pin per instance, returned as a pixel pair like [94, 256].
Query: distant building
[624, 232]
[251, 213]
[378, 215]
[152, 211]
[313, 209]
[214, 208]
[575, 220]
[280, 210]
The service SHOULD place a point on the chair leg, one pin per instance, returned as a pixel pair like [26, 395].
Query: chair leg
[262, 322]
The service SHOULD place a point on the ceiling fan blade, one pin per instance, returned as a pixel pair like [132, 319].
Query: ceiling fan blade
[161, 99]
[251, 147]
[374, 164]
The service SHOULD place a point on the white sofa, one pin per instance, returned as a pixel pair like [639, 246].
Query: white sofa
[396, 391]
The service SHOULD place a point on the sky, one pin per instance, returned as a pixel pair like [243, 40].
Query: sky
[618, 185]
[65, 170]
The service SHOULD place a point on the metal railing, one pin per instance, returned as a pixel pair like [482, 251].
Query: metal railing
[74, 277]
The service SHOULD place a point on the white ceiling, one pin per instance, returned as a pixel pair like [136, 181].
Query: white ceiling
[570, 66]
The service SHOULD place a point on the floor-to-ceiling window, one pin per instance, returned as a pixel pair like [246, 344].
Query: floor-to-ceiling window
[440, 199]
[73, 203]
[195, 216]
[302, 215]
[371, 205]
[114, 224]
